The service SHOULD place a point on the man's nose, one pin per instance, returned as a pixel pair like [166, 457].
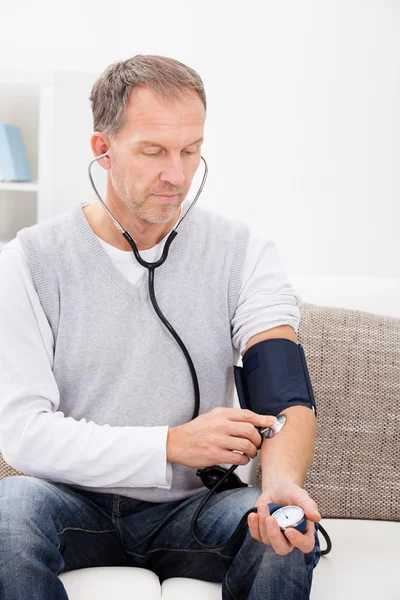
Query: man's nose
[173, 171]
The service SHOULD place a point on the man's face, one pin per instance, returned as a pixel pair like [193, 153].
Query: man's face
[157, 153]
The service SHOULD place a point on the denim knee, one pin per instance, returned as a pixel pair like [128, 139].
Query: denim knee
[235, 502]
[239, 500]
[21, 491]
[226, 511]
[22, 502]
[30, 557]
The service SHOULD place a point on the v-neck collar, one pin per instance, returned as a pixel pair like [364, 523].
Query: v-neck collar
[87, 235]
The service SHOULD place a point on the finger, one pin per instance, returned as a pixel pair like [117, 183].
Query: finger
[244, 430]
[276, 538]
[299, 497]
[313, 514]
[303, 541]
[310, 508]
[248, 416]
[252, 521]
[241, 445]
[263, 515]
[233, 458]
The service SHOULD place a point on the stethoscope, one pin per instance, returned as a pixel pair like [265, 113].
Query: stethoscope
[151, 268]
[227, 476]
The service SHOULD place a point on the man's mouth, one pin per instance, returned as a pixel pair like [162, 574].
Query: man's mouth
[166, 197]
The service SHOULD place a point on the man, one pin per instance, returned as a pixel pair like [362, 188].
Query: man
[96, 398]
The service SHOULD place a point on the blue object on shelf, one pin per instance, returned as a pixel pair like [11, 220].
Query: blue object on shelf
[13, 157]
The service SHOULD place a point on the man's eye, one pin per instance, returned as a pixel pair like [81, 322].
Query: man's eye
[187, 152]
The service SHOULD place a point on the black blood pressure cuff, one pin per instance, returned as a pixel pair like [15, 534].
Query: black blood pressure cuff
[274, 376]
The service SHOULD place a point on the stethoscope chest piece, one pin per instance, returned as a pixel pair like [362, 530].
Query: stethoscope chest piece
[270, 432]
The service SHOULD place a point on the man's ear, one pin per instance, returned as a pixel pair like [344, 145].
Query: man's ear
[100, 144]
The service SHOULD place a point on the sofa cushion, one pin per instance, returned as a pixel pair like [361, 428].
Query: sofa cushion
[363, 562]
[354, 363]
[103, 583]
[182, 588]
[6, 470]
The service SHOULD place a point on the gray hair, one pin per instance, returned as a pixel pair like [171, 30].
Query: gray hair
[110, 95]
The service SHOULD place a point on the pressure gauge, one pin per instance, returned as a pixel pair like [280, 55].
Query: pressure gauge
[289, 516]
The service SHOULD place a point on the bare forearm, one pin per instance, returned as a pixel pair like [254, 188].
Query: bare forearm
[287, 455]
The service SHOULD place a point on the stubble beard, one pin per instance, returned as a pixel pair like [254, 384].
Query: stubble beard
[142, 208]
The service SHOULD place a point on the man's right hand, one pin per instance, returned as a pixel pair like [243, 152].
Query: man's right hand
[210, 438]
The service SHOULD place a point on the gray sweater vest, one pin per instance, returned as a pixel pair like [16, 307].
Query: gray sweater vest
[114, 361]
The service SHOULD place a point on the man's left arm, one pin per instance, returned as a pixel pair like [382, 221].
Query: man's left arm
[284, 461]
[286, 457]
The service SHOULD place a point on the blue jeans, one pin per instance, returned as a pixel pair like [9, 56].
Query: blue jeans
[47, 528]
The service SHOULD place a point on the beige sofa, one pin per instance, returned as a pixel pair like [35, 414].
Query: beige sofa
[354, 361]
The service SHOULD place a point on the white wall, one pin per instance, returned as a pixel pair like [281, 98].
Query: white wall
[303, 128]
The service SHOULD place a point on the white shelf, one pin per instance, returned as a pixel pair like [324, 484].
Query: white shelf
[52, 110]
[19, 186]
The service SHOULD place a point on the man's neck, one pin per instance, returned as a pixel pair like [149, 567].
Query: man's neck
[102, 225]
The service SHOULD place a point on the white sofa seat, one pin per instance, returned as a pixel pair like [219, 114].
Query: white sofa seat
[362, 563]
[109, 583]
[178, 588]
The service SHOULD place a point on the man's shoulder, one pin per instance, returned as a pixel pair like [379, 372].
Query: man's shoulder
[52, 223]
[51, 232]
